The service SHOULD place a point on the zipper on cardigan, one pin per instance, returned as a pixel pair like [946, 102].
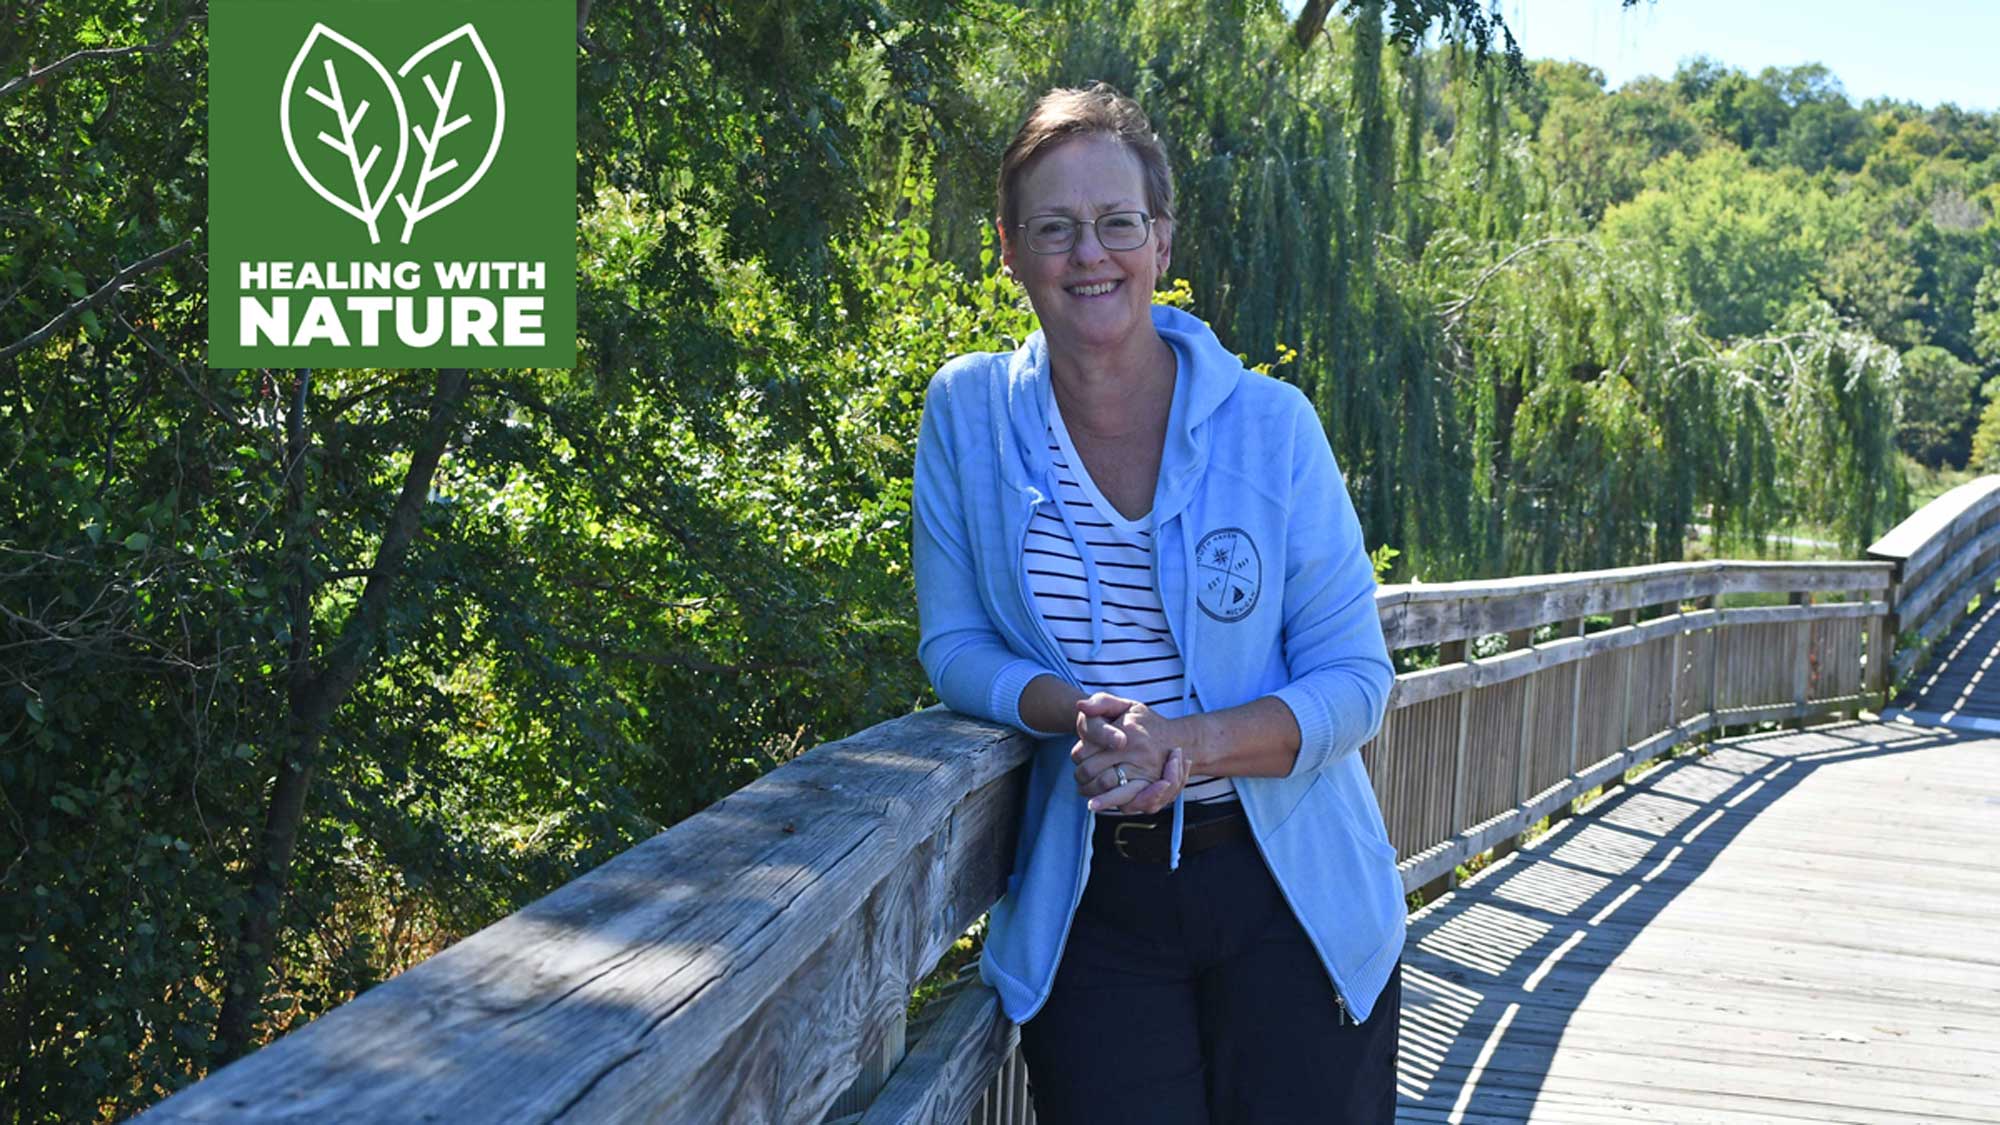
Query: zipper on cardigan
[1343, 1016]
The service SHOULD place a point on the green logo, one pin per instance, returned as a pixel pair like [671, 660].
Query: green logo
[391, 184]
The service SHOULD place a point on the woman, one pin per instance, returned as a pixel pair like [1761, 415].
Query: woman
[1128, 544]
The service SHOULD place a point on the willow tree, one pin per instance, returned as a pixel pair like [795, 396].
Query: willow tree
[1602, 424]
[1831, 394]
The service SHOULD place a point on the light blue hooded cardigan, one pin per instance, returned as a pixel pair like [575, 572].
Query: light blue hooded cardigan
[1280, 601]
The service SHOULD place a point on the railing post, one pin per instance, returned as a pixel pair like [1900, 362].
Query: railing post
[1621, 618]
[1394, 805]
[1717, 655]
[1454, 652]
[1705, 602]
[1802, 672]
[1882, 641]
[1674, 671]
[1574, 627]
[1523, 746]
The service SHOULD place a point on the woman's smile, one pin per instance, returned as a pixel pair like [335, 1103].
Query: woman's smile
[1092, 290]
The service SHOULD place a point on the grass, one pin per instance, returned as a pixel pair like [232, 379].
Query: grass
[1927, 484]
[1790, 542]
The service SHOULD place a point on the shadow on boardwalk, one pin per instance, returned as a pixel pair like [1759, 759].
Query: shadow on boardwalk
[1956, 690]
[1498, 972]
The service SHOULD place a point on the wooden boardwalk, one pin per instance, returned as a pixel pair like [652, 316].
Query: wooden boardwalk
[1799, 927]
[1960, 689]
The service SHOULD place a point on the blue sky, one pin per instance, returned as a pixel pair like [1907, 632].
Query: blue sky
[1927, 51]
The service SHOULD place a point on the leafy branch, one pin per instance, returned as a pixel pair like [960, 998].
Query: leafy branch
[413, 204]
[38, 75]
[1451, 312]
[345, 145]
[103, 293]
[607, 651]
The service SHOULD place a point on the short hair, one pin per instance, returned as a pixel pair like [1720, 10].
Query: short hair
[1096, 110]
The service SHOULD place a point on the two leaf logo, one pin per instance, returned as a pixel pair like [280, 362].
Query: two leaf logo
[333, 84]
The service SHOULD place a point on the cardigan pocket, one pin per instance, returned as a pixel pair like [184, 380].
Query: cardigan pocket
[1342, 882]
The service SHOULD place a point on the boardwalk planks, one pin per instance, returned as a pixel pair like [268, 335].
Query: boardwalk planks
[1800, 932]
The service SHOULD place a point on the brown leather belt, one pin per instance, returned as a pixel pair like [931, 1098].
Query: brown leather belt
[1147, 840]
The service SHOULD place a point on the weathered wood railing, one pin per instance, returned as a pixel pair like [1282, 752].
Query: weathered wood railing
[1530, 706]
[755, 962]
[1945, 555]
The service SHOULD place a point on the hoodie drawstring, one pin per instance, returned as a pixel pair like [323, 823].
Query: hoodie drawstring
[1188, 609]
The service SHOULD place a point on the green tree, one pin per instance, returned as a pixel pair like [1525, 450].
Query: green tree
[1869, 276]
[1745, 244]
[1985, 455]
[1986, 316]
[1745, 111]
[1599, 148]
[1834, 390]
[1938, 395]
[1952, 244]
[1826, 134]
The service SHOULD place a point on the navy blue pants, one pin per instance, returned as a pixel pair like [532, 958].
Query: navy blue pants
[1193, 997]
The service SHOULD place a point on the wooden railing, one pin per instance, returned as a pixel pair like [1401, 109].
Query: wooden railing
[1549, 686]
[1945, 555]
[755, 962]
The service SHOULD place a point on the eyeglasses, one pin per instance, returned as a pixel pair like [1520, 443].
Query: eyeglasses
[1118, 230]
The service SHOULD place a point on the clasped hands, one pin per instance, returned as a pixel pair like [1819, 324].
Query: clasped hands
[1128, 756]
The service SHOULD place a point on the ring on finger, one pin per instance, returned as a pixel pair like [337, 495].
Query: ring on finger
[1122, 779]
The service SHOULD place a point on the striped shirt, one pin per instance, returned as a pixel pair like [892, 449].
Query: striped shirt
[1139, 659]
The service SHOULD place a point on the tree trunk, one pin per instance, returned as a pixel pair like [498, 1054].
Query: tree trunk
[1312, 18]
[314, 698]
